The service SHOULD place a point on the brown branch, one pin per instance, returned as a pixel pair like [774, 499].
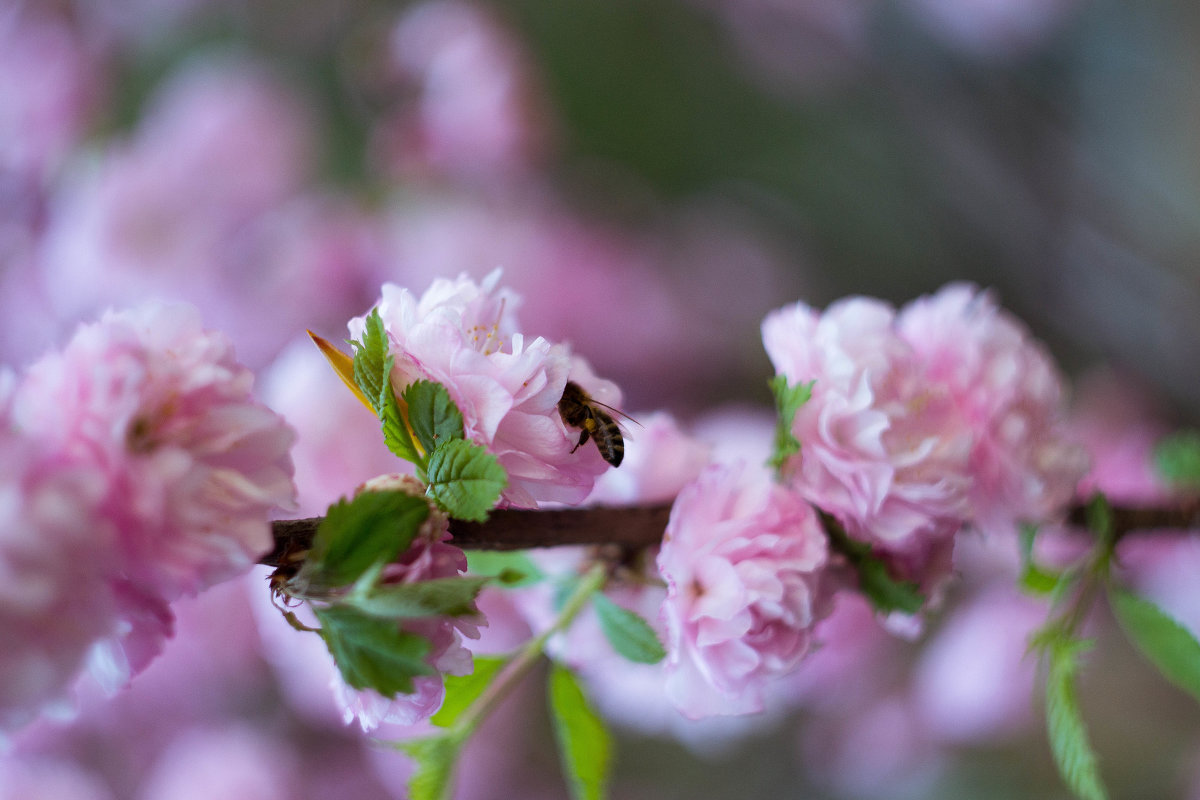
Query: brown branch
[635, 527]
[1145, 519]
[632, 527]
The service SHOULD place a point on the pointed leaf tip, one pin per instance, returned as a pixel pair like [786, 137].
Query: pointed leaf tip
[343, 365]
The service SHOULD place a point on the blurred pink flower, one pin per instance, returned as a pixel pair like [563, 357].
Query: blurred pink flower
[49, 82]
[974, 678]
[880, 749]
[339, 444]
[464, 336]
[234, 761]
[993, 28]
[1120, 427]
[478, 111]
[48, 778]
[55, 560]
[626, 296]
[203, 204]
[883, 448]
[190, 466]
[1023, 465]
[742, 557]
[805, 44]
[130, 25]
[196, 464]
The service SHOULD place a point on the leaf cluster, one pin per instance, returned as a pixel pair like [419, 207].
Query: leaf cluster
[423, 426]
[1165, 643]
[788, 400]
[361, 617]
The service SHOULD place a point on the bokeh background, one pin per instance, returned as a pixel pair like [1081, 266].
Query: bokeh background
[653, 176]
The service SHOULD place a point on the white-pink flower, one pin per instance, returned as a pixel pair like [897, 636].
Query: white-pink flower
[1023, 463]
[743, 559]
[883, 448]
[464, 336]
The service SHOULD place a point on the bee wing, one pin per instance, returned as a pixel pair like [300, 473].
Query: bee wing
[616, 412]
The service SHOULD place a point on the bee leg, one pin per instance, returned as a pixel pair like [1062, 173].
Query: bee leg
[583, 437]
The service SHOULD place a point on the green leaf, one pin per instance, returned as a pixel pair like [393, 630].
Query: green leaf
[435, 757]
[1162, 640]
[1038, 581]
[628, 633]
[372, 527]
[514, 568]
[453, 597]
[564, 587]
[372, 370]
[584, 744]
[463, 690]
[1177, 458]
[1100, 517]
[1027, 532]
[465, 479]
[432, 414]
[788, 400]
[1034, 578]
[373, 365]
[373, 653]
[395, 429]
[1069, 743]
[886, 593]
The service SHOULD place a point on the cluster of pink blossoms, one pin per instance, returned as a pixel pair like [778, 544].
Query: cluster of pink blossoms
[921, 421]
[138, 468]
[465, 336]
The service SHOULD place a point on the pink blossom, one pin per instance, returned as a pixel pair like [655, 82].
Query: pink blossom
[188, 465]
[464, 336]
[742, 557]
[639, 325]
[48, 778]
[429, 557]
[883, 447]
[478, 112]
[196, 464]
[974, 679]
[230, 761]
[1023, 463]
[1120, 427]
[55, 554]
[200, 204]
[879, 749]
[48, 87]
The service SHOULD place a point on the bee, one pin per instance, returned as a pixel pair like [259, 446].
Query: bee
[595, 420]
